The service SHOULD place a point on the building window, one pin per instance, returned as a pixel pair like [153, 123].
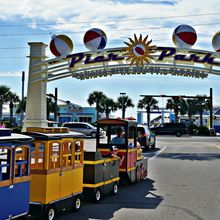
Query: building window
[85, 119]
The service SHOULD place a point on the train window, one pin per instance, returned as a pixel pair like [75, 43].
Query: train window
[37, 156]
[104, 139]
[21, 161]
[131, 136]
[67, 154]
[117, 135]
[5, 161]
[54, 155]
[78, 152]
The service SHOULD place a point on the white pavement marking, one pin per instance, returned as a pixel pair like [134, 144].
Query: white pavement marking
[158, 152]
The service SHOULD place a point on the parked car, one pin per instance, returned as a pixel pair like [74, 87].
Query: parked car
[146, 137]
[84, 128]
[171, 128]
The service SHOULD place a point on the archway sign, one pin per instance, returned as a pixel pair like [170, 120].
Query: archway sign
[138, 55]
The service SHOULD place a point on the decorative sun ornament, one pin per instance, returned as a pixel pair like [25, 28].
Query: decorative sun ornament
[139, 50]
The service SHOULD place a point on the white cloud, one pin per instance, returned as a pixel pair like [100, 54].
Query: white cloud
[10, 74]
[118, 13]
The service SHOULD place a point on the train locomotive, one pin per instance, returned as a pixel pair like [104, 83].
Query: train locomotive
[134, 166]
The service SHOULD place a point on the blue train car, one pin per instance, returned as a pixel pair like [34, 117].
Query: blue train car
[14, 174]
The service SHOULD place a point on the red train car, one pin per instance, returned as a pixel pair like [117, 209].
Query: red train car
[133, 166]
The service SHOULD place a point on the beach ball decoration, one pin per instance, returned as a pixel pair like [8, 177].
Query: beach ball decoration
[216, 42]
[61, 45]
[139, 50]
[184, 36]
[95, 39]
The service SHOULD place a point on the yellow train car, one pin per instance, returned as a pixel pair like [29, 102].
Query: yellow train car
[56, 171]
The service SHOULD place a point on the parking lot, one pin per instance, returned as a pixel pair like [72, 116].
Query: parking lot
[183, 183]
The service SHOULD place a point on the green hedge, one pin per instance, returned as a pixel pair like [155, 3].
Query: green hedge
[203, 131]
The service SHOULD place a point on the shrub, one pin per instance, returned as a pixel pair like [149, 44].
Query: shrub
[17, 129]
[203, 131]
[193, 129]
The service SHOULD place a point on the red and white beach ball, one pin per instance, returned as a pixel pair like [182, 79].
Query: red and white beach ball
[216, 42]
[61, 45]
[184, 36]
[95, 39]
[139, 50]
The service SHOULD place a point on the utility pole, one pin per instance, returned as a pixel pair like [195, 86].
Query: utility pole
[55, 100]
[210, 98]
[211, 108]
[123, 104]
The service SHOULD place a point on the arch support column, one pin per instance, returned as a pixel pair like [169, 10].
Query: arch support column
[36, 108]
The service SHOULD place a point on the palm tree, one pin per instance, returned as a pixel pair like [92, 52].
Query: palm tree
[148, 103]
[124, 103]
[191, 109]
[13, 99]
[51, 107]
[178, 105]
[202, 104]
[5, 96]
[21, 106]
[107, 105]
[95, 98]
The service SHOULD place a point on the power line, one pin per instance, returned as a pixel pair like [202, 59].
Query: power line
[118, 20]
[124, 29]
[13, 48]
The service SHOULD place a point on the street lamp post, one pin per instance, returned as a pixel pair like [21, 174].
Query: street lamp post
[55, 99]
[22, 96]
[123, 104]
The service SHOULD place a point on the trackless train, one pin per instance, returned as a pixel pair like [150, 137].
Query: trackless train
[45, 170]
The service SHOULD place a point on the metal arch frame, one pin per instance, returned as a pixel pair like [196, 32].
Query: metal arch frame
[58, 68]
[106, 63]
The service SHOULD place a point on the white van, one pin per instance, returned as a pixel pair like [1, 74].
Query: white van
[84, 128]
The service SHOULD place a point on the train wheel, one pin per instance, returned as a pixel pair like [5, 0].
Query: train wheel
[50, 213]
[143, 173]
[138, 174]
[115, 189]
[97, 195]
[76, 204]
[25, 217]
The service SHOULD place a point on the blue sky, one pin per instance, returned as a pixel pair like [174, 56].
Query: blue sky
[34, 21]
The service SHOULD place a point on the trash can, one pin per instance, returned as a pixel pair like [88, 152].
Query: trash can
[212, 132]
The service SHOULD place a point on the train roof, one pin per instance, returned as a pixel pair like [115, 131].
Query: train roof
[48, 133]
[114, 121]
[6, 136]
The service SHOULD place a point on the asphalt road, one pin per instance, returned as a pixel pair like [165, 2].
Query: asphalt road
[183, 183]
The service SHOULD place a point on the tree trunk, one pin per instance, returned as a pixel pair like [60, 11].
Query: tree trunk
[97, 110]
[1, 109]
[107, 113]
[148, 116]
[190, 119]
[11, 106]
[176, 115]
[201, 118]
[123, 112]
